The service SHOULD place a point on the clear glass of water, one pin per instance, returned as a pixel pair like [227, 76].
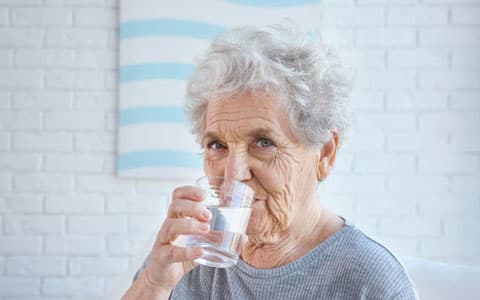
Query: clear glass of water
[230, 203]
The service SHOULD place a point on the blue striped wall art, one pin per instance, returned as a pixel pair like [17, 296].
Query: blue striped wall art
[158, 44]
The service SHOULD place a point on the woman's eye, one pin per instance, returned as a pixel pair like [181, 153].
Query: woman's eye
[264, 143]
[216, 146]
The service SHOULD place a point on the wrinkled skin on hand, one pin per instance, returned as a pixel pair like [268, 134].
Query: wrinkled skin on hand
[168, 260]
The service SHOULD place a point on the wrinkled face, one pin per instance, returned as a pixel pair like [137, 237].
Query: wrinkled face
[248, 137]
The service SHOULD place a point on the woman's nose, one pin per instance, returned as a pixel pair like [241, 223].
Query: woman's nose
[238, 167]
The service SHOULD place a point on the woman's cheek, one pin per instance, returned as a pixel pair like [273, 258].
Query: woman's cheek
[258, 220]
[280, 173]
[286, 168]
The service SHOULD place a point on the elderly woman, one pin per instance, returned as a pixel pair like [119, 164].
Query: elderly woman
[270, 108]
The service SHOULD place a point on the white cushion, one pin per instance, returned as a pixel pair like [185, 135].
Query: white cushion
[441, 281]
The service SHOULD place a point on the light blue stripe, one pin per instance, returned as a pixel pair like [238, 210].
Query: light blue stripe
[159, 158]
[274, 3]
[155, 27]
[155, 71]
[151, 114]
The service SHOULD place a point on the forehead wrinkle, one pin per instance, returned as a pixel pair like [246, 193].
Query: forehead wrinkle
[213, 122]
[223, 115]
[233, 129]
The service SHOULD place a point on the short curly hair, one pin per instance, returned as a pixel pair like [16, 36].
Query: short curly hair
[303, 72]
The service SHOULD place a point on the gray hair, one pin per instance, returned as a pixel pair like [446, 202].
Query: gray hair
[278, 59]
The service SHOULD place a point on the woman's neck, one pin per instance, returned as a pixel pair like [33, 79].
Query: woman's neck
[304, 234]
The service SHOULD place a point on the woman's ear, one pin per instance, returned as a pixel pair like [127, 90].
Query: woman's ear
[326, 160]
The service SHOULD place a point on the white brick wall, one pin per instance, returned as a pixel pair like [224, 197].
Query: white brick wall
[412, 16]
[41, 16]
[18, 203]
[98, 266]
[18, 286]
[42, 141]
[31, 265]
[21, 37]
[97, 224]
[414, 171]
[20, 244]
[74, 245]
[34, 224]
[42, 100]
[73, 286]
[69, 227]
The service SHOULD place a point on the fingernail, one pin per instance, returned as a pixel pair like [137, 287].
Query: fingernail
[206, 214]
[204, 226]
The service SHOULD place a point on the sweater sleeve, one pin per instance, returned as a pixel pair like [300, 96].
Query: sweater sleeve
[140, 270]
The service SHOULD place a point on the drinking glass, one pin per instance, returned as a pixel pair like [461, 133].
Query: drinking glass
[230, 202]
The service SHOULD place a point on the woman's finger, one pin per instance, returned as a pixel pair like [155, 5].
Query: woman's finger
[186, 208]
[190, 192]
[171, 228]
[167, 254]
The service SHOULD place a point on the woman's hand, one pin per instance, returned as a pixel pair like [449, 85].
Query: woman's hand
[186, 215]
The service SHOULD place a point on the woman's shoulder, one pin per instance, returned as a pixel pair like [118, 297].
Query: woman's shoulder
[367, 261]
[367, 250]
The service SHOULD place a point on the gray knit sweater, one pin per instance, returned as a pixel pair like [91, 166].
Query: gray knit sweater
[348, 265]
